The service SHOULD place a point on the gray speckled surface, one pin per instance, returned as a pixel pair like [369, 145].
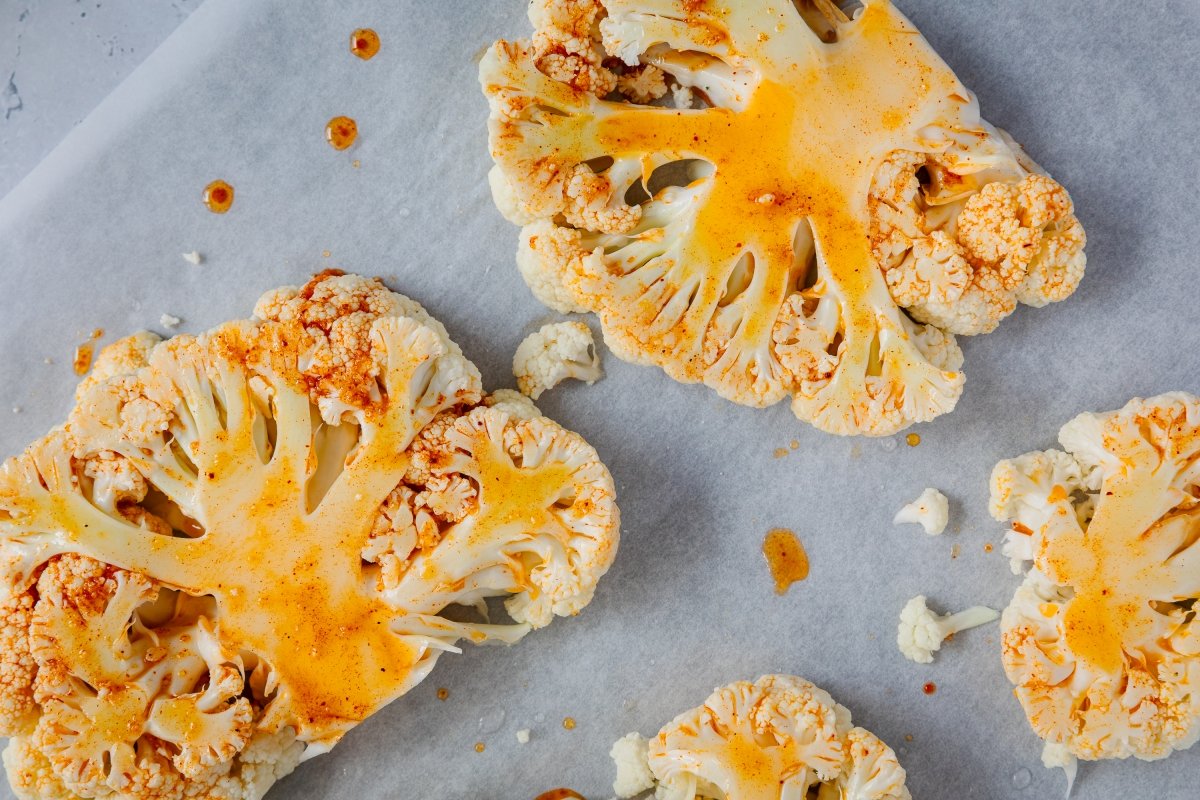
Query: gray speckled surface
[59, 59]
[1103, 95]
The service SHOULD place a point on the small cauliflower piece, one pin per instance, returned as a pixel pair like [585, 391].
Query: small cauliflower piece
[554, 353]
[631, 756]
[931, 511]
[523, 736]
[1100, 639]
[815, 182]
[777, 738]
[339, 449]
[921, 632]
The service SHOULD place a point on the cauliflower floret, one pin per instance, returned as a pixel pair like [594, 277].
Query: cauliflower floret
[631, 756]
[554, 353]
[122, 357]
[341, 426]
[780, 736]
[18, 710]
[699, 253]
[921, 632]
[931, 511]
[1098, 639]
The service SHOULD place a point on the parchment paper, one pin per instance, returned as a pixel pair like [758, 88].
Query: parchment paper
[1103, 94]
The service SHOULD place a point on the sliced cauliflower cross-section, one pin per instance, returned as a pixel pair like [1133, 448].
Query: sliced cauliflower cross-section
[812, 214]
[1101, 639]
[339, 451]
[554, 353]
[777, 738]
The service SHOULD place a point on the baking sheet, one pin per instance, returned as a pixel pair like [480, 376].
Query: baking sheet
[1103, 94]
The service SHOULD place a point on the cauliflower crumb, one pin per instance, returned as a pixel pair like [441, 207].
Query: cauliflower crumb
[193, 257]
[931, 511]
[169, 321]
[631, 755]
[554, 353]
[523, 736]
[921, 632]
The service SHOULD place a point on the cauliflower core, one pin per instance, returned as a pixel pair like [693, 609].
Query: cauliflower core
[554, 353]
[239, 544]
[921, 632]
[931, 511]
[812, 215]
[777, 738]
[1101, 639]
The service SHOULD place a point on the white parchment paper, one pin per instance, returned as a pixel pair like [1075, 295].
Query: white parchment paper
[1103, 94]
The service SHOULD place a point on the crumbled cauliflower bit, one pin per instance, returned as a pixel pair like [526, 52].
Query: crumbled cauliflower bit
[921, 632]
[682, 96]
[630, 755]
[169, 320]
[1099, 639]
[799, 740]
[193, 257]
[931, 511]
[554, 353]
[523, 736]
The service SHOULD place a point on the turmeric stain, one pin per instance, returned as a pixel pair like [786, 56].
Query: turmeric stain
[341, 132]
[364, 43]
[218, 196]
[560, 794]
[786, 558]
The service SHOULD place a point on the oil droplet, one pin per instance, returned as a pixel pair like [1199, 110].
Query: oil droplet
[443, 693]
[987, 548]
[364, 43]
[325, 254]
[913, 439]
[780, 452]
[1022, 778]
[929, 688]
[341, 132]
[539, 718]
[97, 333]
[83, 358]
[786, 558]
[491, 721]
[569, 723]
[954, 550]
[888, 445]
[795, 444]
[480, 747]
[356, 163]
[560, 794]
[218, 196]
[908, 737]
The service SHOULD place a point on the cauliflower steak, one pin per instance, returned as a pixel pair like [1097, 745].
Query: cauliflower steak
[1101, 639]
[240, 544]
[779, 201]
[777, 738]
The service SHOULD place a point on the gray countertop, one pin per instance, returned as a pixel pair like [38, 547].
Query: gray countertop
[59, 59]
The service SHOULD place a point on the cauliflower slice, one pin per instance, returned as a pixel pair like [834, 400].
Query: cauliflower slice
[554, 353]
[339, 449]
[931, 511]
[1100, 639]
[777, 738]
[921, 632]
[815, 184]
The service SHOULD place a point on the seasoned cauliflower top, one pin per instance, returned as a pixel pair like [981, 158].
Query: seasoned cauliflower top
[776, 738]
[239, 544]
[1101, 638]
[777, 200]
